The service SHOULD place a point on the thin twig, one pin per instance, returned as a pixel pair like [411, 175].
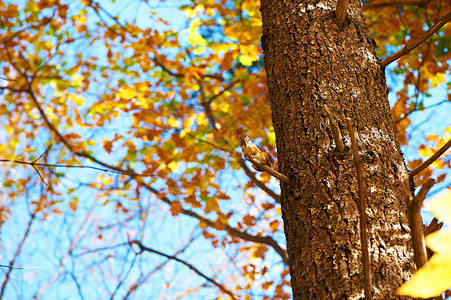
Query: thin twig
[257, 182]
[414, 43]
[267, 240]
[340, 11]
[108, 170]
[267, 169]
[173, 257]
[336, 132]
[44, 153]
[416, 223]
[18, 268]
[226, 88]
[395, 3]
[18, 250]
[363, 222]
[430, 160]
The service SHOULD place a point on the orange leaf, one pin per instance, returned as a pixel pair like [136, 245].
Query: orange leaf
[441, 178]
[227, 63]
[267, 285]
[260, 251]
[249, 220]
[274, 225]
[176, 208]
[73, 205]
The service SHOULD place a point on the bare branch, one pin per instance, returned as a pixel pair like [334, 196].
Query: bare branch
[362, 208]
[258, 182]
[270, 171]
[336, 133]
[226, 88]
[340, 11]
[107, 170]
[431, 159]
[173, 257]
[19, 249]
[18, 268]
[414, 43]
[416, 223]
[235, 232]
[395, 3]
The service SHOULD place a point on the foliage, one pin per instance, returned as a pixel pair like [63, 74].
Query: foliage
[156, 99]
[434, 278]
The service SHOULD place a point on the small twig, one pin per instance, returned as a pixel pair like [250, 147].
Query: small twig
[414, 205]
[267, 169]
[18, 268]
[44, 153]
[336, 132]
[395, 3]
[430, 160]
[226, 88]
[340, 11]
[173, 257]
[413, 44]
[363, 222]
[433, 226]
[33, 164]
[258, 182]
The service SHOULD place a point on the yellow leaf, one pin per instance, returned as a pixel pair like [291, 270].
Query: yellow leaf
[434, 277]
[431, 280]
[440, 207]
[126, 94]
[199, 51]
[77, 99]
[440, 242]
[77, 80]
[173, 166]
[142, 87]
[425, 151]
[245, 60]
[193, 35]
[173, 122]
[437, 79]
[106, 180]
[48, 45]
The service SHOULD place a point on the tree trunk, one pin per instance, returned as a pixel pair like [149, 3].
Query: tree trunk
[310, 62]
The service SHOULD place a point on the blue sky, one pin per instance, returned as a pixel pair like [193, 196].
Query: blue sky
[94, 262]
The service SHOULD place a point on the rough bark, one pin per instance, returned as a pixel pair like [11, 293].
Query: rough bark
[310, 62]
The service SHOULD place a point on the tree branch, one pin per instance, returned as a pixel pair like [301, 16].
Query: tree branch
[430, 160]
[395, 3]
[270, 171]
[259, 239]
[258, 182]
[416, 223]
[362, 208]
[415, 42]
[19, 248]
[235, 232]
[336, 133]
[340, 11]
[190, 266]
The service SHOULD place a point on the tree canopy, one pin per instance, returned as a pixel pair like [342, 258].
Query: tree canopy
[121, 170]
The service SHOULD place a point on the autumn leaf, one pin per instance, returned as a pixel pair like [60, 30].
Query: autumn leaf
[434, 277]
